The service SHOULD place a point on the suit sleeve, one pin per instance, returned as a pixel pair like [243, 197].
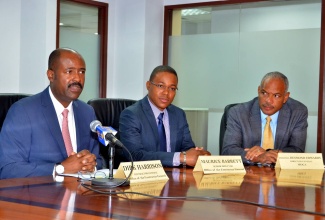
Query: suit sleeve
[183, 131]
[298, 134]
[15, 147]
[94, 145]
[233, 139]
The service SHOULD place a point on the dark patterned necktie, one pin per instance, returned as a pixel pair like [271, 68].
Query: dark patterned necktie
[162, 134]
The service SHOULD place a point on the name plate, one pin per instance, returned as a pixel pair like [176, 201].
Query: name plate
[219, 164]
[296, 161]
[143, 171]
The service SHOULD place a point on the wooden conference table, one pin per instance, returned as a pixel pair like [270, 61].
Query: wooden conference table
[281, 195]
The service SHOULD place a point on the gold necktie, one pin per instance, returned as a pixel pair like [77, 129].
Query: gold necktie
[268, 142]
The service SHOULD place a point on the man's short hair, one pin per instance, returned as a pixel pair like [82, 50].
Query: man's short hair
[162, 68]
[276, 75]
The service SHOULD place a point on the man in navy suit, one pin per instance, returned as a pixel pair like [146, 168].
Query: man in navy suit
[139, 124]
[31, 142]
[246, 121]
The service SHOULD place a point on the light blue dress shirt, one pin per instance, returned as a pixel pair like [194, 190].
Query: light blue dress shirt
[273, 124]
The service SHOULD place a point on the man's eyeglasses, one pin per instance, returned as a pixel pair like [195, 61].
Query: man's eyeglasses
[86, 176]
[163, 87]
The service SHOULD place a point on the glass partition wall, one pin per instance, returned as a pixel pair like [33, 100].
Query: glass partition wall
[222, 51]
[82, 25]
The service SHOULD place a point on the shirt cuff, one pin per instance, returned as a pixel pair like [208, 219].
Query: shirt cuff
[176, 159]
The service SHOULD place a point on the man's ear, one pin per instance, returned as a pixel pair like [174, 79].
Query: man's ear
[148, 84]
[286, 96]
[50, 75]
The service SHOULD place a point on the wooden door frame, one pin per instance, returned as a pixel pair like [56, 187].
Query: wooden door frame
[102, 31]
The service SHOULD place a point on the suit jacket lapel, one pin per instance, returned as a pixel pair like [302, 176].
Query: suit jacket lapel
[255, 123]
[283, 121]
[172, 128]
[49, 115]
[150, 117]
[77, 120]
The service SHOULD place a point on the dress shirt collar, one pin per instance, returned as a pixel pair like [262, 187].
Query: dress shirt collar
[274, 118]
[157, 111]
[58, 106]
[58, 110]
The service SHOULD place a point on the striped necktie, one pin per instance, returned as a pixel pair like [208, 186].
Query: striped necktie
[65, 132]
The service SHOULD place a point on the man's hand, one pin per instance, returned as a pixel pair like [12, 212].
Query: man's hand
[193, 154]
[257, 154]
[254, 152]
[82, 161]
[268, 157]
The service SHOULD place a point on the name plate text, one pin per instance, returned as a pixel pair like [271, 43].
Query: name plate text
[143, 171]
[219, 164]
[306, 161]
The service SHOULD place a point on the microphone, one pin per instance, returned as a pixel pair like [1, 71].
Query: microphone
[105, 134]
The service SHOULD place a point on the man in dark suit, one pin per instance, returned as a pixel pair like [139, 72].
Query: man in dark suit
[139, 124]
[246, 122]
[31, 142]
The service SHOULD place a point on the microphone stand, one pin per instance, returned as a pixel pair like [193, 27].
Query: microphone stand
[111, 150]
[110, 181]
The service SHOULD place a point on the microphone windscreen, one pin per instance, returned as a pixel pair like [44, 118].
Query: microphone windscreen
[94, 124]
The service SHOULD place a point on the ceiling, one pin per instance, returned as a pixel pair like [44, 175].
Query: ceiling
[78, 17]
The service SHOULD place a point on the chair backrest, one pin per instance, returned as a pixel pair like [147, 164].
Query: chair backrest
[108, 112]
[6, 100]
[223, 125]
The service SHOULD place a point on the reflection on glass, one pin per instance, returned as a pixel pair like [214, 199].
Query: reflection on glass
[79, 31]
[226, 49]
[78, 17]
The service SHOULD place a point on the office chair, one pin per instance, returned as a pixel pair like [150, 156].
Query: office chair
[223, 125]
[108, 112]
[6, 100]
